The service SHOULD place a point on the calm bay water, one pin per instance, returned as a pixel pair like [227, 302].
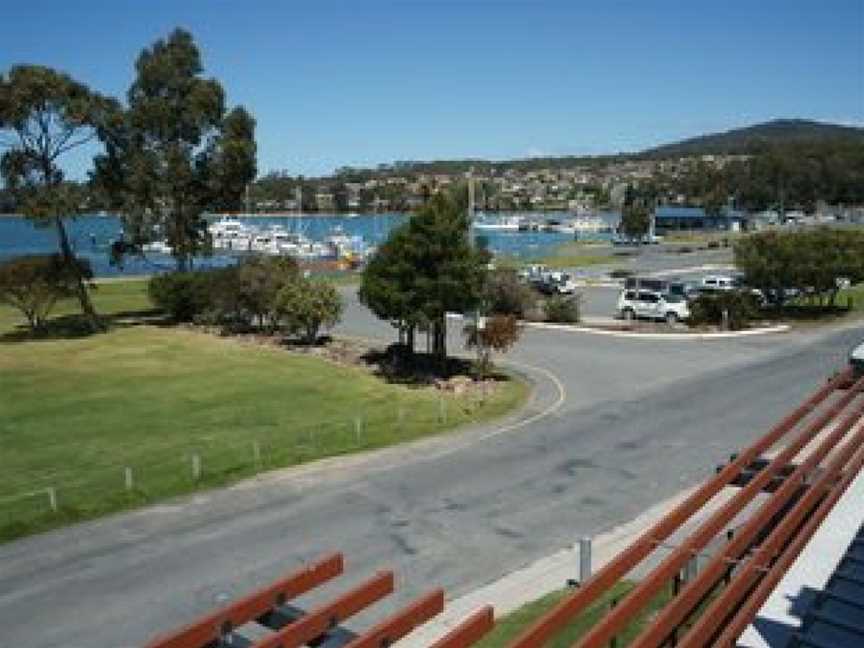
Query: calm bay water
[92, 235]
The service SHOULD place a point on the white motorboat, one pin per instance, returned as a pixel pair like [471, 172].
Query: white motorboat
[159, 247]
[505, 224]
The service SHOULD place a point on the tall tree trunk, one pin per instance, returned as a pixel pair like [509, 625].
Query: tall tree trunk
[409, 339]
[80, 289]
[439, 339]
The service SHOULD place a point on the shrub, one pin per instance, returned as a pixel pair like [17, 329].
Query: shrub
[741, 307]
[33, 284]
[504, 294]
[303, 307]
[259, 280]
[563, 309]
[183, 296]
[498, 333]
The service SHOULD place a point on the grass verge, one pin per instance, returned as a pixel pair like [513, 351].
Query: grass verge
[184, 411]
[509, 627]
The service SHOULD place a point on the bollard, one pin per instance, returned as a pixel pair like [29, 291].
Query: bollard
[129, 480]
[196, 467]
[584, 559]
[52, 498]
[256, 453]
[358, 429]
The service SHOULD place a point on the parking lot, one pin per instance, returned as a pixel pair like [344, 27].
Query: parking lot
[600, 294]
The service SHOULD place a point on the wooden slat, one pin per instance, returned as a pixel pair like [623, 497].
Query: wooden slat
[212, 627]
[400, 624]
[329, 615]
[553, 621]
[637, 598]
[470, 631]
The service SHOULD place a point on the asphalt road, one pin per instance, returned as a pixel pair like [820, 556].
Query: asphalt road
[636, 422]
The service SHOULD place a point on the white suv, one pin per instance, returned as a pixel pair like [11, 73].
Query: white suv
[652, 305]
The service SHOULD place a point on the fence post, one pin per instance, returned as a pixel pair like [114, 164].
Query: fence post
[358, 428]
[256, 453]
[584, 559]
[52, 498]
[196, 467]
[130, 484]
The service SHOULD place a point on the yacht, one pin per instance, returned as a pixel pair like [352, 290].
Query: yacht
[229, 233]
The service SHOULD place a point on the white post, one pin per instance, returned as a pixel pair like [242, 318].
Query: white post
[129, 481]
[196, 467]
[52, 498]
[584, 559]
[358, 428]
[256, 453]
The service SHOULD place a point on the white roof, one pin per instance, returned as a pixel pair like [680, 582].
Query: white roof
[857, 354]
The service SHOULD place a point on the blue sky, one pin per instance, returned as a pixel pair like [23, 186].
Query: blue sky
[361, 83]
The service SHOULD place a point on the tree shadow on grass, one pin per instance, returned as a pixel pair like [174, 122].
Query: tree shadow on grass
[396, 365]
[75, 326]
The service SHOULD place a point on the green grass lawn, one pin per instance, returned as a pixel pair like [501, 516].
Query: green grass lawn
[509, 627]
[574, 255]
[77, 411]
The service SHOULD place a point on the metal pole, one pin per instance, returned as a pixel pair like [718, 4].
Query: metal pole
[470, 205]
[584, 559]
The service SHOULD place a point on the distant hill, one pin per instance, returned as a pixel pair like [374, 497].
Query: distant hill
[752, 138]
[738, 141]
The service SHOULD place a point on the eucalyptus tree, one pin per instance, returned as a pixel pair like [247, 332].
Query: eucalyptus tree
[175, 151]
[45, 115]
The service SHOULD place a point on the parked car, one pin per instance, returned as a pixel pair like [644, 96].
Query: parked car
[684, 289]
[556, 283]
[653, 305]
[719, 282]
[533, 273]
